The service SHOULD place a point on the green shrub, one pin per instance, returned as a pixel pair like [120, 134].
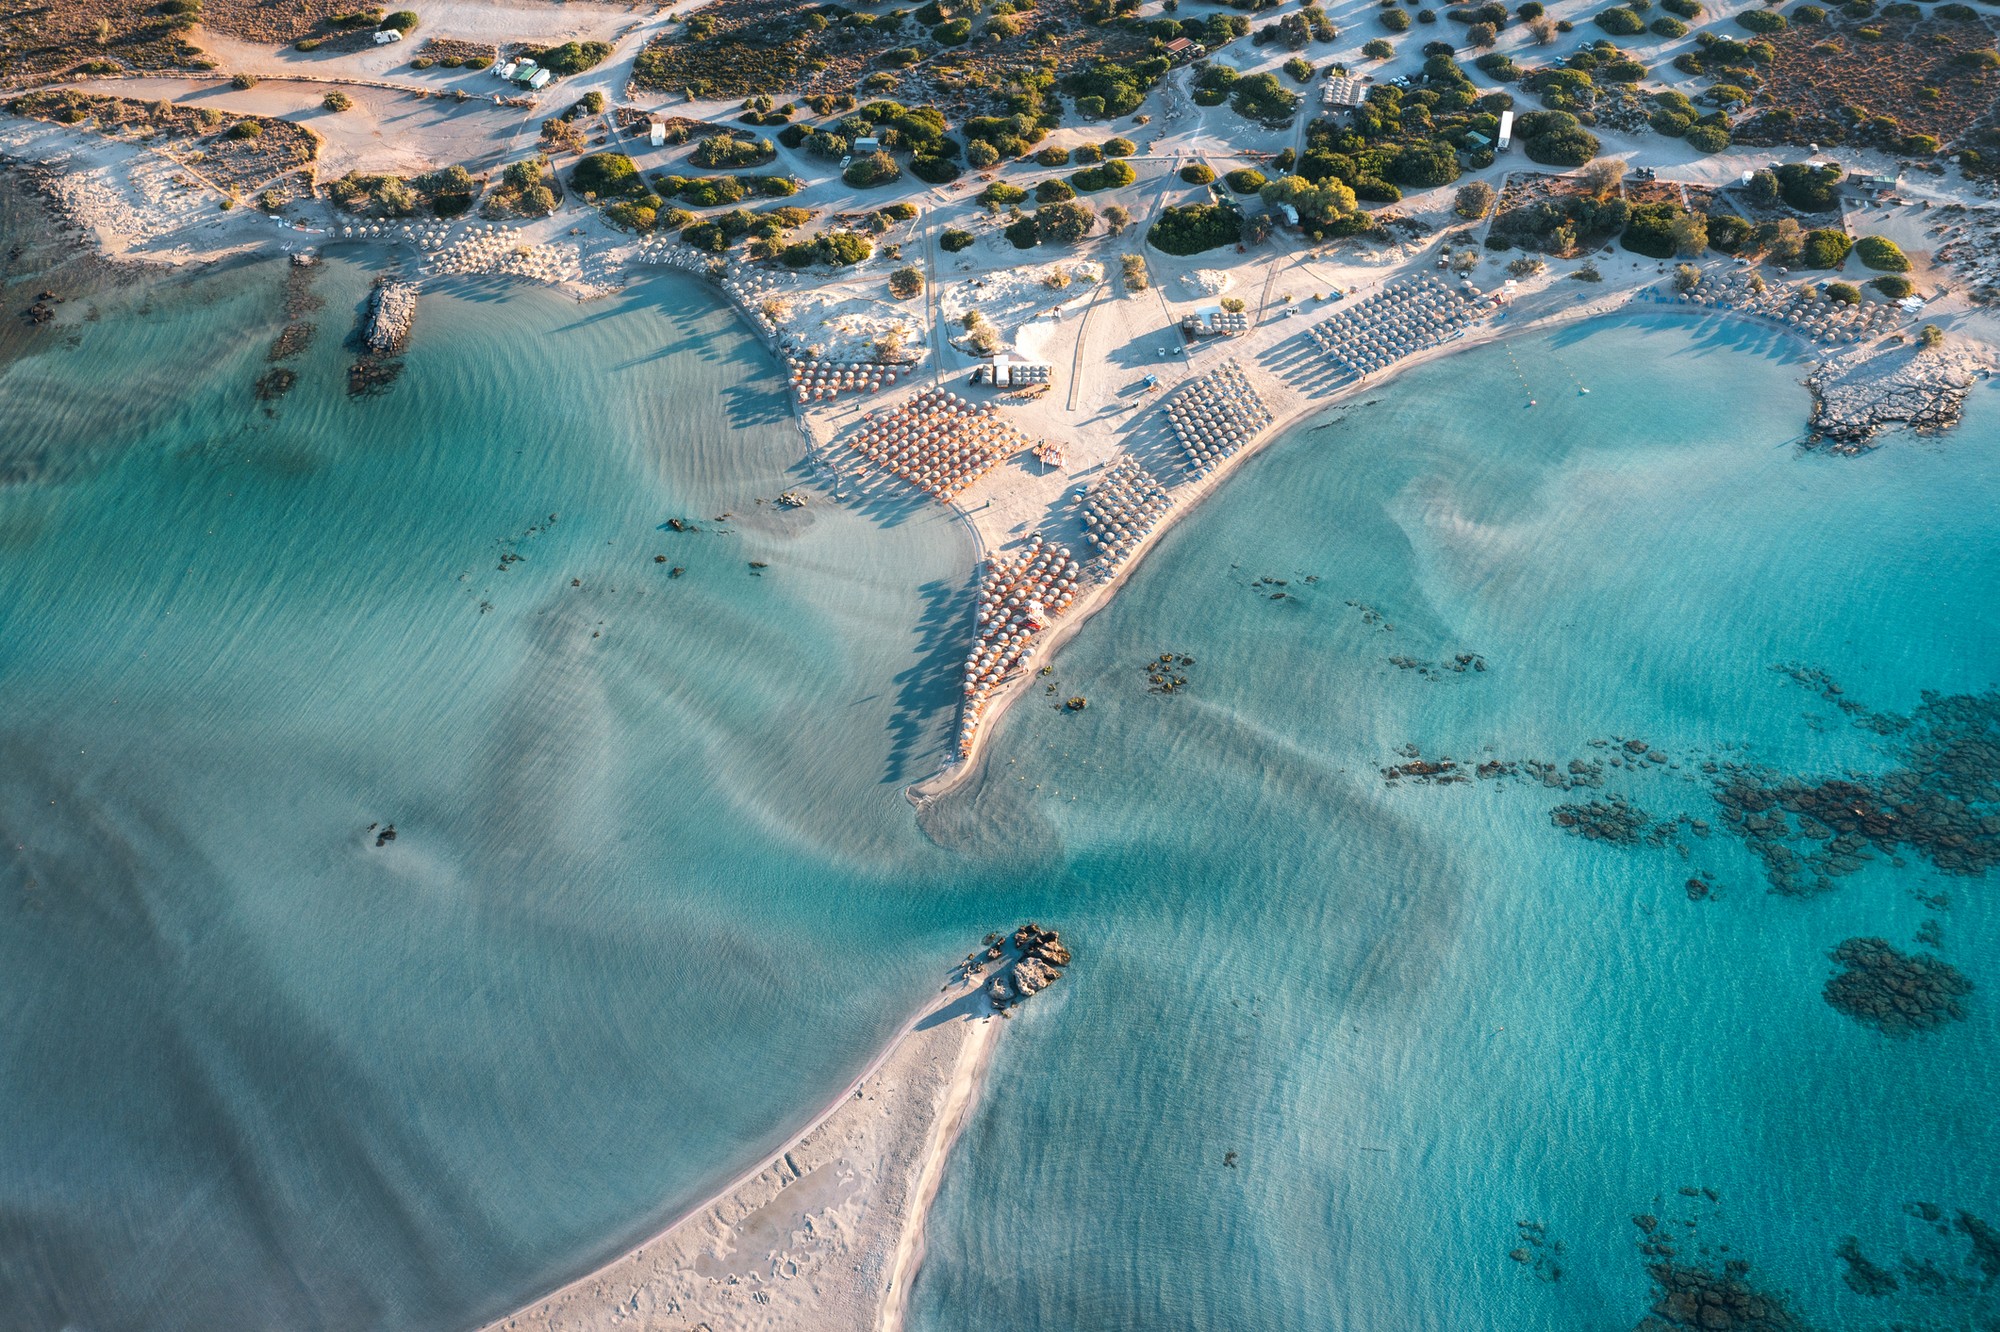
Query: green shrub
[1001, 195]
[1707, 138]
[1761, 20]
[1424, 166]
[403, 20]
[1379, 50]
[1825, 248]
[1895, 288]
[1649, 230]
[1262, 98]
[336, 101]
[572, 57]
[1053, 190]
[1197, 173]
[1186, 229]
[877, 168]
[1053, 156]
[632, 215]
[1022, 233]
[1064, 223]
[934, 170]
[1808, 14]
[1555, 138]
[1112, 175]
[709, 191]
[1245, 180]
[1395, 20]
[243, 82]
[1881, 254]
[956, 32]
[954, 240]
[1665, 26]
[1844, 293]
[1728, 233]
[1118, 147]
[606, 175]
[246, 129]
[1619, 22]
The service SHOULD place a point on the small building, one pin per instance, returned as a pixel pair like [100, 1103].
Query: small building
[539, 79]
[1183, 48]
[1506, 139]
[1289, 213]
[1010, 372]
[1874, 184]
[1343, 92]
[384, 36]
[1475, 140]
[656, 133]
[1212, 321]
[867, 144]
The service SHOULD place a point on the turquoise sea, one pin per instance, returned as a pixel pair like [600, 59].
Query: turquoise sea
[655, 893]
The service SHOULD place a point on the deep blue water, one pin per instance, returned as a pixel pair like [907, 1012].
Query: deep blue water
[655, 891]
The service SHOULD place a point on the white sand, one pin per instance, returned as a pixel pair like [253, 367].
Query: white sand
[828, 1233]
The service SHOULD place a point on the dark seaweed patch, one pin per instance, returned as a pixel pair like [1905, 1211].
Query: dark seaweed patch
[1896, 992]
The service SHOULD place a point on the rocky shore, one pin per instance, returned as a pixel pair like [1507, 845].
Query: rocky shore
[391, 311]
[1857, 398]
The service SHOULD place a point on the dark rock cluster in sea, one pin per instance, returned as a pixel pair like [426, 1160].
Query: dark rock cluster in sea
[1696, 1295]
[1040, 957]
[1438, 670]
[1613, 819]
[1537, 1252]
[1895, 992]
[1942, 801]
[1164, 673]
[274, 384]
[1862, 1276]
[1823, 684]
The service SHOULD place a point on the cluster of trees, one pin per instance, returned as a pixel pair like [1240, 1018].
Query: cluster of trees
[835, 249]
[726, 151]
[1412, 138]
[1106, 88]
[1063, 223]
[1185, 229]
[526, 189]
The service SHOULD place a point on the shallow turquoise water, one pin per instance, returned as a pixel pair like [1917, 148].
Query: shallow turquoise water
[655, 891]
[1422, 1015]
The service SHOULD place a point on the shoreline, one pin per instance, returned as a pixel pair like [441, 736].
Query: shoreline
[839, 1204]
[957, 773]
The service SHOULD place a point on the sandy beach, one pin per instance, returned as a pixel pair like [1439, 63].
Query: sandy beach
[825, 1233]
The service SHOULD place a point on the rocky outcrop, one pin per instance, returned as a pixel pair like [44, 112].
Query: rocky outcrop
[391, 311]
[1040, 957]
[1856, 398]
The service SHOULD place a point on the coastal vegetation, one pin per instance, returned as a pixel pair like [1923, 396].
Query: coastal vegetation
[1185, 229]
[526, 189]
[1881, 254]
[606, 176]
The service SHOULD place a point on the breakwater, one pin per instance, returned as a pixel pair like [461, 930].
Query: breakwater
[392, 310]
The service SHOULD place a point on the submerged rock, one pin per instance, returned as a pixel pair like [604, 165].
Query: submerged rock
[1696, 1296]
[1895, 992]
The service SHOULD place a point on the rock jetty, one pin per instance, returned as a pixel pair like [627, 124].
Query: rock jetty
[1041, 958]
[391, 311]
[1856, 399]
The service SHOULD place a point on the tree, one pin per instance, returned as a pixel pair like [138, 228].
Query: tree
[1136, 278]
[1762, 189]
[1930, 335]
[1895, 288]
[1686, 277]
[606, 175]
[954, 240]
[1783, 240]
[1197, 173]
[877, 168]
[1318, 203]
[1602, 176]
[1117, 218]
[1473, 199]
[980, 154]
[1845, 293]
[1690, 234]
[906, 282]
[1064, 223]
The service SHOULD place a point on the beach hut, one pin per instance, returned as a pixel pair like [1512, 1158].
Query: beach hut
[656, 133]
